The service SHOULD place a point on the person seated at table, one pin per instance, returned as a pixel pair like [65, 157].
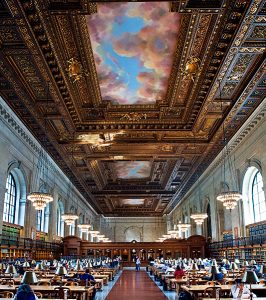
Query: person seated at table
[25, 293]
[21, 270]
[87, 279]
[179, 272]
[240, 291]
[169, 270]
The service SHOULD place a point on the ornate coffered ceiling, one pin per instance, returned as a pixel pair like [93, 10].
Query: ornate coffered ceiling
[151, 86]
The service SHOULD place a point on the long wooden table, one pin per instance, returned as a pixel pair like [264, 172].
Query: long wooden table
[199, 289]
[81, 291]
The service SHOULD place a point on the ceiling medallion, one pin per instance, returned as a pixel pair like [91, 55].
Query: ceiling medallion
[192, 67]
[74, 69]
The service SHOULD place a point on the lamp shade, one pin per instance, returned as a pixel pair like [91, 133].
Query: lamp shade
[29, 277]
[214, 270]
[194, 267]
[39, 267]
[214, 263]
[11, 270]
[252, 262]
[233, 266]
[78, 267]
[250, 277]
[61, 271]
[245, 264]
[26, 264]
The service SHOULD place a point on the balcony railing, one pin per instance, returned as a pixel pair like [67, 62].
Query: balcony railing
[27, 243]
[250, 241]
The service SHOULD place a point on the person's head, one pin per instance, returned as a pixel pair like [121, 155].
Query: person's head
[238, 281]
[87, 271]
[178, 268]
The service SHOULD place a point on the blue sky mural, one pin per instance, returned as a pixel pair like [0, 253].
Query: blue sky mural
[133, 46]
[132, 169]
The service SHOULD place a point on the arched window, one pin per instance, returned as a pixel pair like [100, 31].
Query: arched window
[15, 196]
[10, 200]
[253, 197]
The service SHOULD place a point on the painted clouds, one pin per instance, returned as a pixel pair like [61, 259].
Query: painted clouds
[133, 45]
[132, 169]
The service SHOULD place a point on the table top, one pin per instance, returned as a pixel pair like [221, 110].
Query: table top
[200, 288]
[46, 288]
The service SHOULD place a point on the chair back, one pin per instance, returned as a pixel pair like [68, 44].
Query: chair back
[60, 292]
[210, 292]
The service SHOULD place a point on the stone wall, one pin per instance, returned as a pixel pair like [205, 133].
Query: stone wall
[20, 151]
[247, 148]
[129, 229]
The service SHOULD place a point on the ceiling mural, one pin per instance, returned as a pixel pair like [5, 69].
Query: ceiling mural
[133, 111]
[132, 169]
[133, 46]
[133, 201]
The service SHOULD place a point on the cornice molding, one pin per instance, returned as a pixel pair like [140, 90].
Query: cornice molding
[8, 118]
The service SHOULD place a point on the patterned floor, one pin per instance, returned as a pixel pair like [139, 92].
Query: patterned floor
[134, 285]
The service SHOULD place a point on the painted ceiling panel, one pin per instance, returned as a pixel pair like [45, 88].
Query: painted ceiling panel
[133, 45]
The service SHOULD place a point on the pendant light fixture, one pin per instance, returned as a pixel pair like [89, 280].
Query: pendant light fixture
[199, 217]
[229, 198]
[70, 218]
[40, 199]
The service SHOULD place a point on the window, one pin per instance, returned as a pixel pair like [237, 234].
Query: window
[42, 219]
[60, 222]
[258, 198]
[10, 200]
[253, 197]
[39, 220]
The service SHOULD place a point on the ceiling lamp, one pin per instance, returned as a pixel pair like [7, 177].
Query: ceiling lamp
[227, 197]
[183, 227]
[74, 69]
[69, 219]
[199, 218]
[84, 227]
[40, 200]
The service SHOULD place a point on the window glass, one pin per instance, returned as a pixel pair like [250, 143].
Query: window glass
[10, 200]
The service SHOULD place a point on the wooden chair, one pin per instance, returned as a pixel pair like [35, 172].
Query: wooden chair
[71, 283]
[38, 295]
[60, 292]
[6, 295]
[210, 292]
[47, 283]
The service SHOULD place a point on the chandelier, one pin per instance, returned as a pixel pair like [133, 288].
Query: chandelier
[183, 227]
[40, 200]
[199, 218]
[84, 227]
[229, 199]
[69, 219]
